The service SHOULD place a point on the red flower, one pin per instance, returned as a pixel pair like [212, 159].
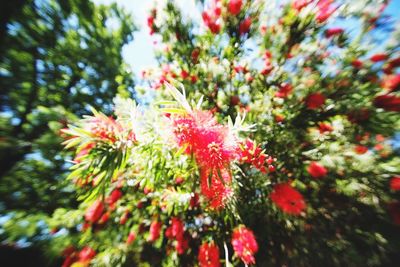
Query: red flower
[124, 217]
[288, 199]
[114, 197]
[131, 238]
[317, 170]
[395, 183]
[388, 102]
[244, 244]
[155, 231]
[300, 4]
[195, 55]
[378, 57]
[86, 254]
[252, 154]
[244, 26]
[284, 90]
[213, 188]
[210, 18]
[357, 63]
[359, 149]
[315, 100]
[325, 10]
[93, 213]
[325, 127]
[333, 31]
[209, 255]
[104, 218]
[392, 83]
[234, 6]
[103, 127]
[194, 200]
[184, 74]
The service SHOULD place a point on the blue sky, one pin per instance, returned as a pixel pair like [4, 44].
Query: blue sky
[139, 54]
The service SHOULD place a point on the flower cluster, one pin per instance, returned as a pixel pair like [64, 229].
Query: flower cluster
[214, 148]
[288, 199]
[244, 244]
[209, 255]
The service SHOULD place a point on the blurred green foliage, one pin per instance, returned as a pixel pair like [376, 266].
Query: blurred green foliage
[58, 58]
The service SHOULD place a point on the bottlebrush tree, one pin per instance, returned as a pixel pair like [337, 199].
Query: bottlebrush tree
[264, 138]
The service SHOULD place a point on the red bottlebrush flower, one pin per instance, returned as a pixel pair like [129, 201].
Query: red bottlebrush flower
[212, 187]
[300, 4]
[317, 170]
[94, 212]
[124, 217]
[195, 55]
[104, 128]
[279, 118]
[244, 244]
[357, 64]
[194, 200]
[392, 83]
[388, 102]
[211, 21]
[209, 255]
[194, 78]
[267, 70]
[394, 211]
[104, 218]
[359, 149]
[315, 100]
[176, 229]
[324, 127]
[252, 154]
[234, 100]
[114, 197]
[179, 180]
[395, 183]
[155, 231]
[325, 10]
[181, 245]
[86, 254]
[288, 199]
[284, 90]
[234, 6]
[378, 57]
[184, 74]
[244, 26]
[131, 238]
[333, 32]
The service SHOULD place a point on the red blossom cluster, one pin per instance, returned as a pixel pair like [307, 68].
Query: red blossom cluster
[285, 89]
[150, 21]
[244, 244]
[315, 100]
[214, 149]
[78, 258]
[176, 232]
[395, 183]
[288, 199]
[211, 17]
[155, 231]
[251, 153]
[98, 213]
[209, 255]
[317, 170]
